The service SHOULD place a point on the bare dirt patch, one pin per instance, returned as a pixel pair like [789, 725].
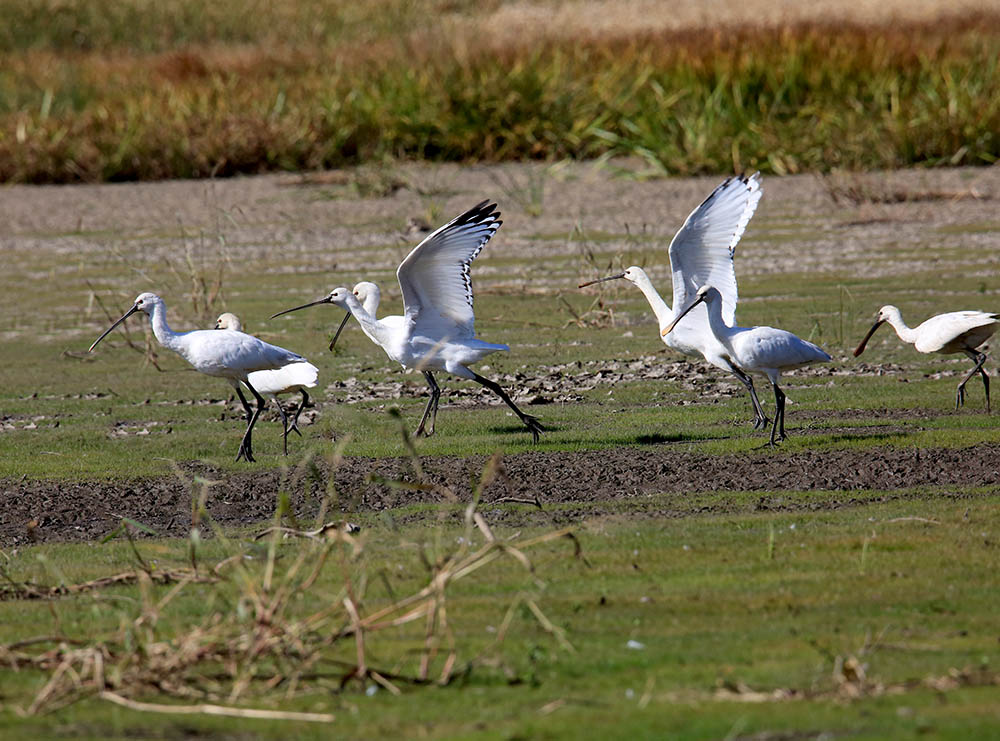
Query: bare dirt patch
[600, 480]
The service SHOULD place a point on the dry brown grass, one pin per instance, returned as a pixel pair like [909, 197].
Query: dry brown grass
[796, 96]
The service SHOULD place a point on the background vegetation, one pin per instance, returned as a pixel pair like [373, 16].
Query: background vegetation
[135, 90]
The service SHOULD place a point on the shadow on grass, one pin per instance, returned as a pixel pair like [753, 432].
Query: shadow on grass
[676, 437]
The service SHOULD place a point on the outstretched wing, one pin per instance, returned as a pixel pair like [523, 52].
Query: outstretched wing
[435, 278]
[701, 253]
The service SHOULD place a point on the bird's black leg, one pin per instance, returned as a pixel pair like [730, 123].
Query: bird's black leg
[284, 423]
[530, 422]
[779, 415]
[978, 358]
[243, 400]
[246, 447]
[294, 427]
[760, 419]
[432, 406]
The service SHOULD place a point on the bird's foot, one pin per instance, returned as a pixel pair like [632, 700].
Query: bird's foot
[245, 452]
[533, 425]
[423, 431]
[761, 423]
[959, 398]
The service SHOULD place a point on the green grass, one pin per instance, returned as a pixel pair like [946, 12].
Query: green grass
[191, 91]
[710, 603]
[77, 405]
[729, 598]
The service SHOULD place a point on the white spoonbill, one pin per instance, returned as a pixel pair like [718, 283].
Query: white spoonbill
[230, 355]
[701, 253]
[765, 351]
[272, 383]
[369, 295]
[436, 330]
[954, 332]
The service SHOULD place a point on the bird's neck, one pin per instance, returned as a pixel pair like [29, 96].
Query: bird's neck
[164, 334]
[902, 330]
[371, 304]
[371, 326]
[722, 331]
[656, 303]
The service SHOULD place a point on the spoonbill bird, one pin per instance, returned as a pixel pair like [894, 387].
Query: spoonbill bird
[271, 383]
[436, 330]
[701, 253]
[369, 295]
[230, 355]
[954, 332]
[765, 351]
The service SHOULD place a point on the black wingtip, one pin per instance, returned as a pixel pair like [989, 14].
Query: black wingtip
[482, 211]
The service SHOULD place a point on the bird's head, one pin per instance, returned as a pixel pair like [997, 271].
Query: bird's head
[337, 296]
[886, 313]
[146, 301]
[228, 320]
[704, 295]
[632, 275]
[366, 289]
[143, 302]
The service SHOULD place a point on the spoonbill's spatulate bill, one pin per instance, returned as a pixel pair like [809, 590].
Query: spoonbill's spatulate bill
[272, 383]
[762, 350]
[701, 253]
[230, 355]
[954, 332]
[436, 330]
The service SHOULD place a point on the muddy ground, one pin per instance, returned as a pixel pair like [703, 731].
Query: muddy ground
[598, 480]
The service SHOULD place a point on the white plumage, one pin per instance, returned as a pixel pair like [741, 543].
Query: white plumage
[289, 379]
[437, 328]
[701, 253]
[954, 332]
[230, 355]
[761, 350]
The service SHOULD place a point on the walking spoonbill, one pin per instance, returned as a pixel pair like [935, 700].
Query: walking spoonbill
[230, 355]
[436, 330]
[701, 253]
[954, 332]
[765, 351]
[271, 383]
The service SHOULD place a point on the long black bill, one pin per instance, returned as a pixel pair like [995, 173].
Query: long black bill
[125, 316]
[340, 329]
[324, 300]
[670, 327]
[601, 280]
[861, 345]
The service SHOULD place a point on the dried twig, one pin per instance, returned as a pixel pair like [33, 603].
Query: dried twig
[149, 707]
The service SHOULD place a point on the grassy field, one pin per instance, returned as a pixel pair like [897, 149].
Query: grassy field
[136, 93]
[869, 622]
[751, 614]
[718, 598]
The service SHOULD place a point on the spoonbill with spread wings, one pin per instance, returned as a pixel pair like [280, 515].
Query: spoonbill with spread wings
[436, 330]
[701, 253]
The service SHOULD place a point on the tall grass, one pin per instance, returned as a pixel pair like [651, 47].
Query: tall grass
[810, 97]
